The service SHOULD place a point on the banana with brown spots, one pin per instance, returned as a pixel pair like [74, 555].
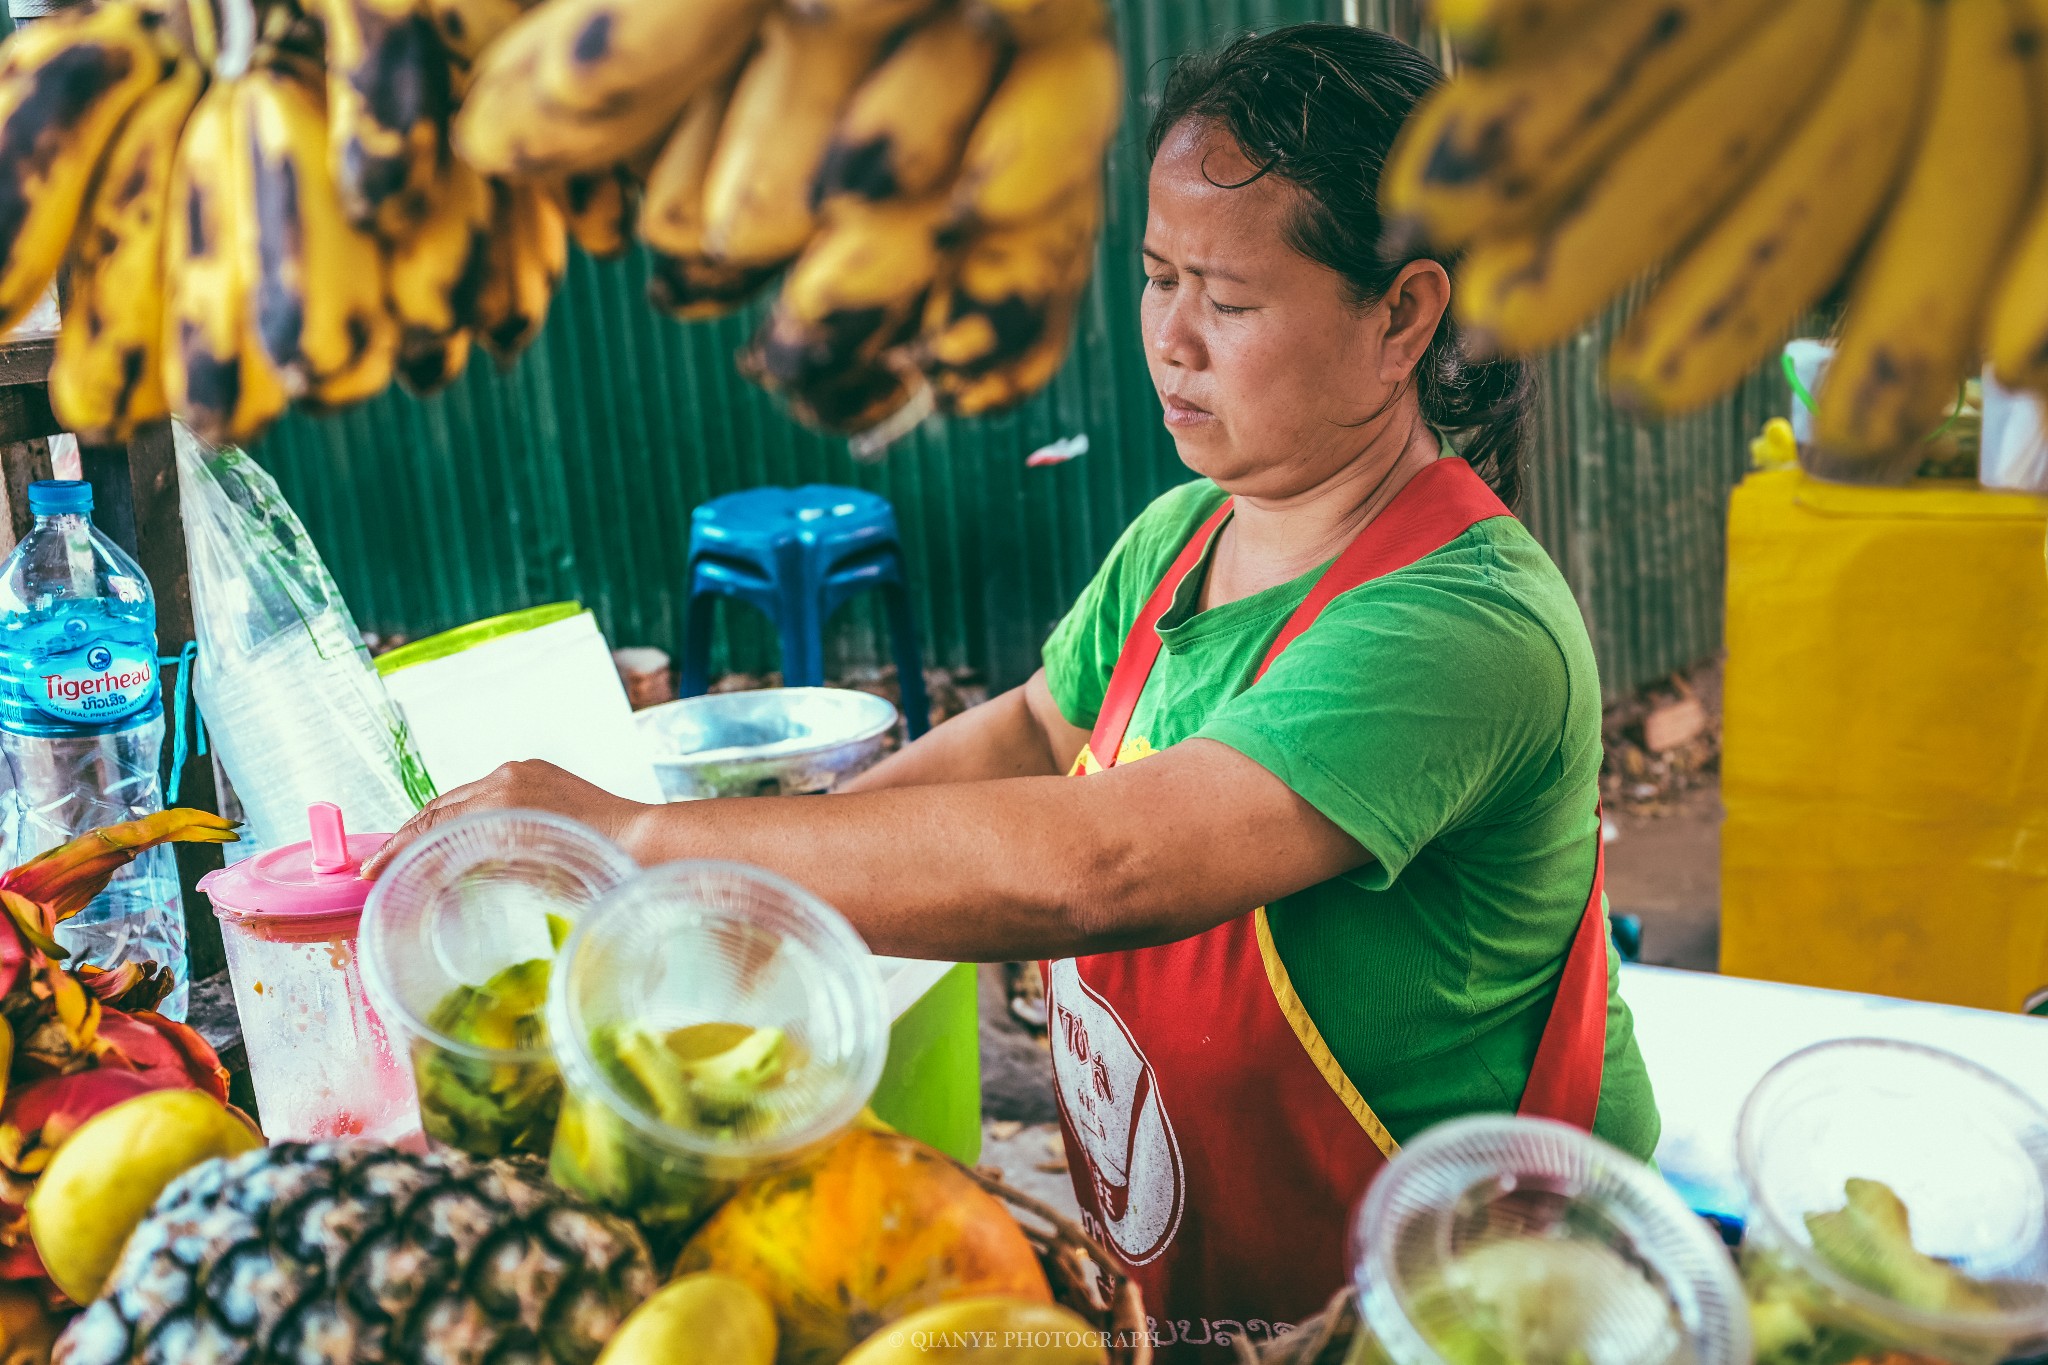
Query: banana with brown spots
[107, 377]
[66, 83]
[320, 311]
[436, 278]
[388, 104]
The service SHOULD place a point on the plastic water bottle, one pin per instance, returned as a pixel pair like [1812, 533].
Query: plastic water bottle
[82, 724]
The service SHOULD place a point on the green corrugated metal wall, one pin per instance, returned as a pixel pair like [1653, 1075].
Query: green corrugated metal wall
[574, 474]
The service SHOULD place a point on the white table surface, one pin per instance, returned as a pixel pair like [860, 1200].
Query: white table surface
[1707, 1040]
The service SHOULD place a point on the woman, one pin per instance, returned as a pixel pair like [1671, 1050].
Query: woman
[1362, 697]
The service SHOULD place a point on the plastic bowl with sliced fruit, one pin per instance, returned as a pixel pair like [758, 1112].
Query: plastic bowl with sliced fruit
[712, 1022]
[1898, 1208]
[459, 941]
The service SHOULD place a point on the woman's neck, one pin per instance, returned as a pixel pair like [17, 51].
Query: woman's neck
[1269, 541]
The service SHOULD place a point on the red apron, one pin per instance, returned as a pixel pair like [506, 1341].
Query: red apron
[1214, 1142]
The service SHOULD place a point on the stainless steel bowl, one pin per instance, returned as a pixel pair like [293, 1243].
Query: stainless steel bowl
[779, 741]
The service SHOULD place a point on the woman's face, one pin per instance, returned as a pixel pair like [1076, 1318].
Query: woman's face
[1272, 380]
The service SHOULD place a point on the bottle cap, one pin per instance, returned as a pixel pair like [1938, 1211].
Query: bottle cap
[304, 892]
[55, 497]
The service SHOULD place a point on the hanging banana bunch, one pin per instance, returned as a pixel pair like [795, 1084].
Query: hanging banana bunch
[1747, 156]
[263, 202]
[923, 174]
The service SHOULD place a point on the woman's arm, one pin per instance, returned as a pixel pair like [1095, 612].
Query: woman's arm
[996, 870]
[1018, 734]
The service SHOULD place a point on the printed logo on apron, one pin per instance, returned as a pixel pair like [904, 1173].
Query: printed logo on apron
[1110, 1097]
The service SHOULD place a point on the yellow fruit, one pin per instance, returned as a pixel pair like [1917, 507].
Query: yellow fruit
[757, 189]
[1729, 301]
[1044, 131]
[102, 1181]
[1494, 150]
[1916, 314]
[986, 1331]
[704, 1319]
[877, 1226]
[1531, 290]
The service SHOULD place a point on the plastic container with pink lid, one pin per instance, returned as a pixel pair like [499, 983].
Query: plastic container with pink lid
[319, 1057]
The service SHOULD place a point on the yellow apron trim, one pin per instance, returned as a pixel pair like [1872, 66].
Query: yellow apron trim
[1311, 1039]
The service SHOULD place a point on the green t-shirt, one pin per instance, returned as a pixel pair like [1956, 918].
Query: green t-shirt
[1447, 717]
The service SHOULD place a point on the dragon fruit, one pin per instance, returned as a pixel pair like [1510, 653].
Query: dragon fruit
[76, 1039]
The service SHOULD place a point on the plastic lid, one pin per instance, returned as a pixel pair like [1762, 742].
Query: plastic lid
[721, 943]
[1522, 1239]
[474, 897]
[1961, 1157]
[475, 633]
[54, 497]
[305, 891]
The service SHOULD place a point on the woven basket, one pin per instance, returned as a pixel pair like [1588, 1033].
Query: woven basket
[1324, 1339]
[1083, 1276]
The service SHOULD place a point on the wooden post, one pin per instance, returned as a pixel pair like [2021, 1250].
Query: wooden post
[135, 501]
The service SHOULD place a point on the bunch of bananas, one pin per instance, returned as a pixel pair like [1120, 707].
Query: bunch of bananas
[1756, 154]
[258, 203]
[924, 176]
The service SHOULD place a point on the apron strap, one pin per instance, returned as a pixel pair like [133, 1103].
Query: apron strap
[1141, 646]
[1564, 1081]
[1436, 507]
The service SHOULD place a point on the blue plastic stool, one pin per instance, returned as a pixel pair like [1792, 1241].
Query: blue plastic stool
[797, 555]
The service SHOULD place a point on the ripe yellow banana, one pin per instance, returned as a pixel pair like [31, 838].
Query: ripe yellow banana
[1006, 291]
[1043, 134]
[529, 249]
[510, 126]
[1492, 151]
[216, 375]
[1527, 291]
[904, 130]
[1916, 312]
[683, 280]
[757, 191]
[66, 82]
[388, 102]
[852, 293]
[599, 209]
[319, 301]
[580, 85]
[107, 377]
[1031, 22]
[963, 394]
[435, 278]
[1488, 31]
[467, 26]
[2017, 344]
[1777, 248]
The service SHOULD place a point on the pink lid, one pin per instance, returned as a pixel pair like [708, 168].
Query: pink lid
[306, 891]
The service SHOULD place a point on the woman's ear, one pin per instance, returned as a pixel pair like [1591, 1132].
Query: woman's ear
[1415, 303]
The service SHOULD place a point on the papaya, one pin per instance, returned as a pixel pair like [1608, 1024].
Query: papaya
[876, 1227]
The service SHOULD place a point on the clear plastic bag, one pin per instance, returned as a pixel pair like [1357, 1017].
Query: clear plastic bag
[292, 703]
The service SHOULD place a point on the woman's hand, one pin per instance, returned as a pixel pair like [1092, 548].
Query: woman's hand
[531, 785]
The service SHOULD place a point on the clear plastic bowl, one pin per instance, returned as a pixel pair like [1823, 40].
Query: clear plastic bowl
[1962, 1152]
[457, 944]
[709, 943]
[1498, 1237]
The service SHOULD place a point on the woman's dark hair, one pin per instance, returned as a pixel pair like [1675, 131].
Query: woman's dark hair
[1318, 105]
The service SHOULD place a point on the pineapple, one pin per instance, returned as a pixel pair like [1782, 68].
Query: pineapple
[344, 1252]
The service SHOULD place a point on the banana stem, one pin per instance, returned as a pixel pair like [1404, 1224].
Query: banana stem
[237, 39]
